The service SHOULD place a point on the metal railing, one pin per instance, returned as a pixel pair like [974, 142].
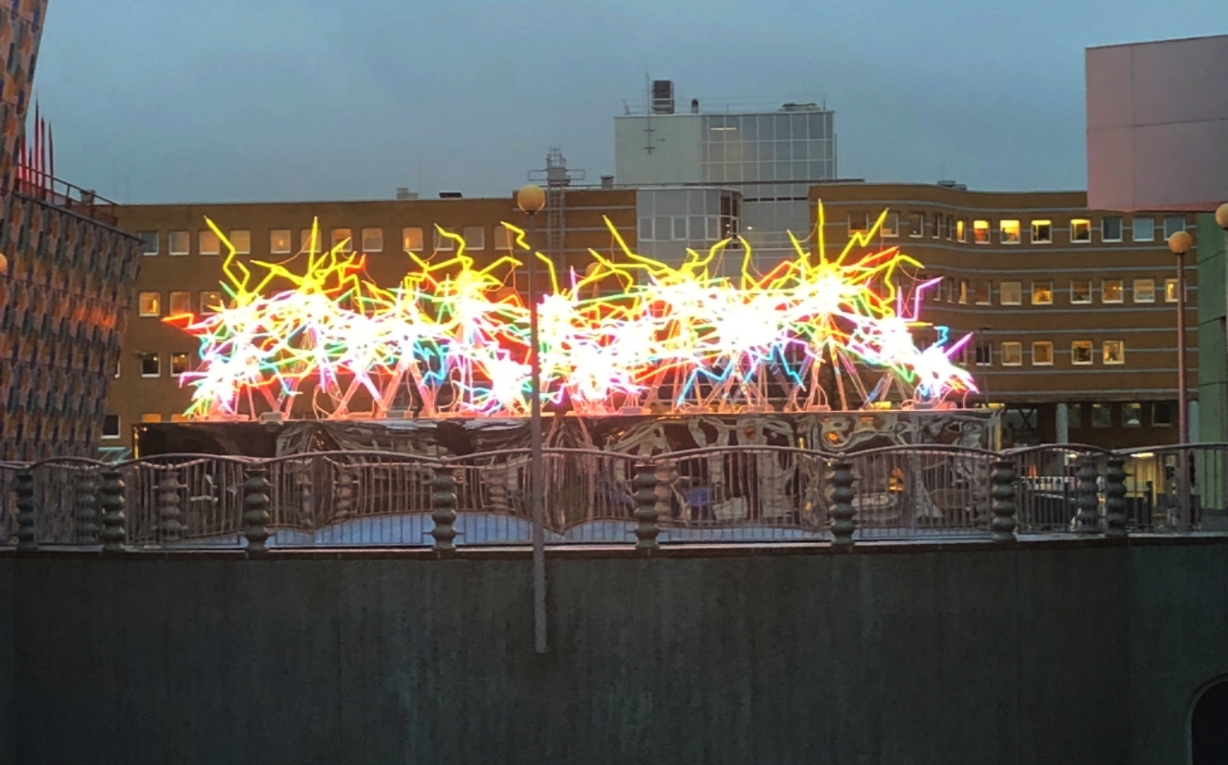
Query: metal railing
[66, 196]
[716, 494]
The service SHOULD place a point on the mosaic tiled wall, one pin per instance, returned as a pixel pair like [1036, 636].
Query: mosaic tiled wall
[21, 29]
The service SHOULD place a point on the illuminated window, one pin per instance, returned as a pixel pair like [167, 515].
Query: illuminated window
[1042, 353]
[344, 238]
[1144, 290]
[177, 417]
[891, 225]
[1074, 416]
[180, 242]
[1173, 224]
[858, 223]
[916, 224]
[1080, 291]
[961, 230]
[1102, 415]
[179, 364]
[151, 418]
[210, 301]
[373, 240]
[1080, 230]
[1144, 229]
[1008, 231]
[1170, 290]
[149, 304]
[279, 241]
[984, 292]
[963, 291]
[980, 231]
[1042, 293]
[1042, 231]
[306, 241]
[1114, 352]
[241, 239]
[1161, 415]
[1132, 415]
[1012, 354]
[444, 243]
[1110, 228]
[1111, 291]
[1081, 352]
[1010, 293]
[475, 237]
[179, 303]
[149, 242]
[110, 426]
[411, 239]
[151, 364]
[503, 238]
[208, 243]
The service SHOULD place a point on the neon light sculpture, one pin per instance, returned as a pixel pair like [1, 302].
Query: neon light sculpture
[665, 339]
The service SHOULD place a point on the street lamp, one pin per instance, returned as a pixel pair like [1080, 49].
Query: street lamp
[532, 200]
[1179, 244]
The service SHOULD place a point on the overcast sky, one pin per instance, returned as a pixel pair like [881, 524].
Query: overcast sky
[231, 100]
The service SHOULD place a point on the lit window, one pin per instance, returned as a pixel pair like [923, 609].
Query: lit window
[444, 243]
[279, 241]
[1110, 228]
[151, 418]
[984, 293]
[241, 240]
[1011, 293]
[180, 242]
[149, 242]
[1042, 354]
[179, 364]
[503, 238]
[475, 237]
[961, 230]
[309, 240]
[1144, 229]
[149, 304]
[963, 291]
[1170, 290]
[1111, 291]
[1132, 415]
[1081, 352]
[916, 224]
[1161, 415]
[1074, 416]
[178, 417]
[980, 231]
[343, 238]
[210, 301]
[110, 426]
[1080, 291]
[411, 239]
[151, 364]
[1042, 231]
[1042, 293]
[1080, 230]
[1102, 415]
[1144, 290]
[1114, 352]
[373, 240]
[984, 354]
[891, 226]
[1012, 354]
[209, 243]
[1008, 231]
[179, 303]
[858, 223]
[1173, 224]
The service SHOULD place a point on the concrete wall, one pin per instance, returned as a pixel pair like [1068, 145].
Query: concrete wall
[973, 654]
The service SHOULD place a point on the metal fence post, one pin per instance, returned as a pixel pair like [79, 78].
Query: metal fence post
[170, 528]
[842, 512]
[114, 534]
[23, 487]
[87, 509]
[1087, 519]
[443, 508]
[256, 508]
[645, 485]
[1003, 495]
[1115, 497]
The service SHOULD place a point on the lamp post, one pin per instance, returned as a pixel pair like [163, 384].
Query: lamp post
[531, 200]
[1179, 244]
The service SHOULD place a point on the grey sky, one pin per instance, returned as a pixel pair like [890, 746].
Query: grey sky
[229, 100]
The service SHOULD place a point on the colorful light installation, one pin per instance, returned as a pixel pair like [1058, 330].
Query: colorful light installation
[629, 334]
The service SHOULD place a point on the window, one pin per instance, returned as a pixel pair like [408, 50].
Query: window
[891, 226]
[149, 304]
[916, 224]
[980, 231]
[948, 287]
[984, 354]
[1012, 354]
[149, 242]
[110, 426]
[179, 364]
[208, 243]
[1144, 229]
[180, 242]
[1074, 417]
[1170, 290]
[475, 236]
[1173, 224]
[343, 238]
[1110, 228]
[177, 417]
[1008, 232]
[1132, 415]
[1102, 415]
[151, 418]
[950, 230]
[503, 238]
[241, 240]
[963, 291]
[858, 223]
[151, 365]
[1080, 291]
[373, 240]
[984, 292]
[1114, 352]
[961, 229]
[1161, 415]
[1144, 290]
[1010, 293]
[118, 366]
[1111, 291]
[1042, 353]
[279, 241]
[1080, 230]
[939, 229]
[210, 302]
[411, 239]
[179, 303]
[444, 243]
[1081, 353]
[306, 242]
[1042, 293]
[1042, 231]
